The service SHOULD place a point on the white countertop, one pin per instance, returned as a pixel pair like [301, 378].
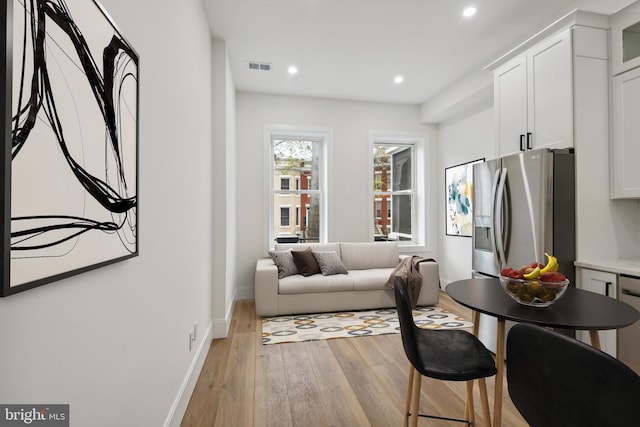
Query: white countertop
[621, 266]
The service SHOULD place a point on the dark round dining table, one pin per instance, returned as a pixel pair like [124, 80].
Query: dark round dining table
[577, 309]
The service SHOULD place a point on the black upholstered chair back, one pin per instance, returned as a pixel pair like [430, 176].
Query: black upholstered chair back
[555, 380]
[405, 317]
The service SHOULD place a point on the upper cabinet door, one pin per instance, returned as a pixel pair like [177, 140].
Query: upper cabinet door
[533, 97]
[510, 104]
[550, 90]
[625, 148]
[625, 39]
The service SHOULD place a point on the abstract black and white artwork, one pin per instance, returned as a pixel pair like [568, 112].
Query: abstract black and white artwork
[70, 160]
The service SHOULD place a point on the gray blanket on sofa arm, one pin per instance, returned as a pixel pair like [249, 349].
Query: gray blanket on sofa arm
[408, 270]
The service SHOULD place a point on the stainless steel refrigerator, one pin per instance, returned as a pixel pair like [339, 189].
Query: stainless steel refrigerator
[523, 206]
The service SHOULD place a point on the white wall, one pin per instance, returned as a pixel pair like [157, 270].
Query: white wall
[459, 142]
[605, 228]
[113, 343]
[224, 192]
[348, 186]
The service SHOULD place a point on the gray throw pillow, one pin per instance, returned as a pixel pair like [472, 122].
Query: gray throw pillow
[329, 262]
[285, 263]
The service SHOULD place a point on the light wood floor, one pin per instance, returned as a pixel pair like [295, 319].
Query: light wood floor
[343, 382]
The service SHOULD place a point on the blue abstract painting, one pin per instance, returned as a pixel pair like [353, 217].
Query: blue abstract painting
[459, 206]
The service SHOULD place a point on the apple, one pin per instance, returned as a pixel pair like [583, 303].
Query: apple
[516, 274]
[552, 276]
[506, 271]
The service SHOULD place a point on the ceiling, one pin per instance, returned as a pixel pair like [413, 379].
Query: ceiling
[352, 49]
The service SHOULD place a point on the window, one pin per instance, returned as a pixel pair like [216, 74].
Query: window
[378, 208]
[296, 162]
[284, 216]
[284, 183]
[393, 191]
[377, 180]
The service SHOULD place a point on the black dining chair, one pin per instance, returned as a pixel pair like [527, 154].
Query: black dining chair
[450, 355]
[558, 381]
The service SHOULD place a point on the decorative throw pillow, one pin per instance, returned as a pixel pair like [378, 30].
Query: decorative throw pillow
[329, 262]
[306, 263]
[285, 263]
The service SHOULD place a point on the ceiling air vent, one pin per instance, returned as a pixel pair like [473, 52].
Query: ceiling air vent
[260, 66]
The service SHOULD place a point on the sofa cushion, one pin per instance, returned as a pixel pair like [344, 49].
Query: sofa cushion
[285, 263]
[361, 256]
[318, 283]
[373, 279]
[329, 263]
[306, 263]
[314, 246]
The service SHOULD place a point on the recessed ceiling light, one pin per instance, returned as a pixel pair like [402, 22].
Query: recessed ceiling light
[293, 69]
[398, 79]
[470, 11]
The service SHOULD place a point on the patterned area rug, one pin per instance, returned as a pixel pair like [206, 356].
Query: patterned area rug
[324, 326]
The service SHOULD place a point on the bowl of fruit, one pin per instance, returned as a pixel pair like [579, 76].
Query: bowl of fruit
[535, 285]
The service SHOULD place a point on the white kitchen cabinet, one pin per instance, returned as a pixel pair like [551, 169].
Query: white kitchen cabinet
[510, 105]
[625, 39]
[603, 283]
[533, 97]
[625, 145]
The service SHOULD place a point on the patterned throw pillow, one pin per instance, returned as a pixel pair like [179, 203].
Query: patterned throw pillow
[284, 261]
[329, 262]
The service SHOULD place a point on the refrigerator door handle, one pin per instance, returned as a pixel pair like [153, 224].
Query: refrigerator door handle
[497, 219]
[494, 193]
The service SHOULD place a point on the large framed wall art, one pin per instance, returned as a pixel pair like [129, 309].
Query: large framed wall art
[459, 206]
[69, 163]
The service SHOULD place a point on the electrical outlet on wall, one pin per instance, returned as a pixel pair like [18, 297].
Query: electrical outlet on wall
[193, 335]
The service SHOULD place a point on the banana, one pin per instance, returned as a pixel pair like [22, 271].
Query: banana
[533, 275]
[552, 264]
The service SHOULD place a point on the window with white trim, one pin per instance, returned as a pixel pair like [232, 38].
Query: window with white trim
[284, 216]
[296, 171]
[284, 182]
[394, 191]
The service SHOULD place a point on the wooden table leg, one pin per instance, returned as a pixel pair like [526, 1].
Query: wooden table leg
[594, 337]
[476, 322]
[497, 398]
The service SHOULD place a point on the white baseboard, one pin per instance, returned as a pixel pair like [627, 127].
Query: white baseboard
[218, 328]
[221, 326]
[181, 402]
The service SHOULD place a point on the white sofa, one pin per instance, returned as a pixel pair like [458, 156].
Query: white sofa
[369, 266]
